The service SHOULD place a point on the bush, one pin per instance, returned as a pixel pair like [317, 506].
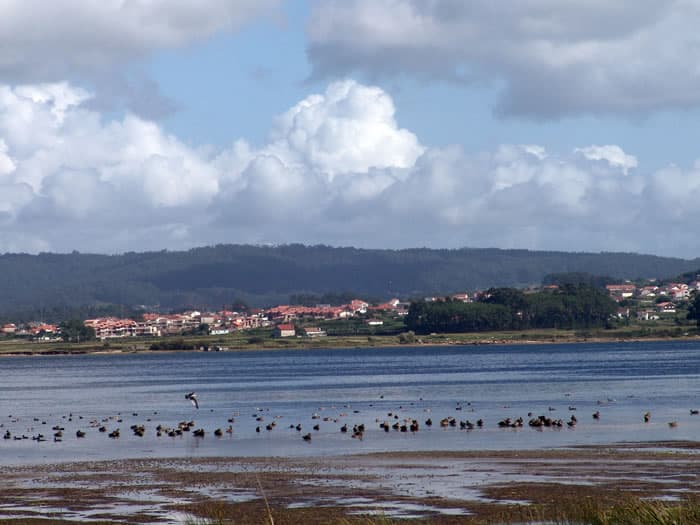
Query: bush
[177, 344]
[407, 337]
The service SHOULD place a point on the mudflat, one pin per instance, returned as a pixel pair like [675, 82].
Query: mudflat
[430, 487]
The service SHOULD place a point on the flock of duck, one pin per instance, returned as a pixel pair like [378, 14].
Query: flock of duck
[392, 422]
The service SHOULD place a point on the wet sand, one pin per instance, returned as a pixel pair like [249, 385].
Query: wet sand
[433, 487]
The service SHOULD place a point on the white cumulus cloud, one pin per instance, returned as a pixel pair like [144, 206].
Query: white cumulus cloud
[337, 169]
[348, 129]
[7, 165]
[612, 154]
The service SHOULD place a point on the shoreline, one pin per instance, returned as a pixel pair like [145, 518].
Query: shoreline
[338, 344]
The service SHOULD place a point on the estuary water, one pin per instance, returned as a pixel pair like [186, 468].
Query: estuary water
[331, 388]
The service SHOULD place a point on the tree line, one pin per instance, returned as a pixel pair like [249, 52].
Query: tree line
[569, 307]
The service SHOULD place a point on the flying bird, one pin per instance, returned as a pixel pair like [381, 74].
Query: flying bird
[192, 396]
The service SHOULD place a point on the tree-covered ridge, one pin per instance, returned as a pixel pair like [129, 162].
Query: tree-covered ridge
[571, 306]
[267, 275]
[575, 278]
[686, 277]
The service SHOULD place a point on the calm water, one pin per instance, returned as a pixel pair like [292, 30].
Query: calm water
[348, 386]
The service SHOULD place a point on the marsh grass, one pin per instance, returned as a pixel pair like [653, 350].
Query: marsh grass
[584, 511]
[628, 511]
[644, 512]
[623, 510]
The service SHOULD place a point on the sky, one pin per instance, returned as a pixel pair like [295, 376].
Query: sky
[134, 125]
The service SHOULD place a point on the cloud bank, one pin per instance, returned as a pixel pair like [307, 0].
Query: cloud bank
[546, 58]
[337, 169]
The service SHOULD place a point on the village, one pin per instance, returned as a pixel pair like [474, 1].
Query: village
[649, 302]
[279, 318]
[641, 302]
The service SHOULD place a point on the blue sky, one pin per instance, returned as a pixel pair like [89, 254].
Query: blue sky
[372, 123]
[232, 85]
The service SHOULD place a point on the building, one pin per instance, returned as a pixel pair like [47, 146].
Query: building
[649, 291]
[285, 330]
[677, 291]
[314, 332]
[621, 291]
[666, 308]
[358, 306]
[112, 327]
[623, 313]
[390, 306]
[647, 315]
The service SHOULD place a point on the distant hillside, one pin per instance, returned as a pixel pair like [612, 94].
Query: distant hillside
[263, 275]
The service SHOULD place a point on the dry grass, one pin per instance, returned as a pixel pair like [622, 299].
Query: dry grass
[630, 511]
[586, 511]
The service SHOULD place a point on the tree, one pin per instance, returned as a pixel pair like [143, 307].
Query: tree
[202, 329]
[75, 331]
[694, 307]
[514, 300]
[572, 306]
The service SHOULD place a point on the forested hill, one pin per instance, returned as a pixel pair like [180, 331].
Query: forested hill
[264, 275]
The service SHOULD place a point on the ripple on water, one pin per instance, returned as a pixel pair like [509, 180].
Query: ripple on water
[401, 509]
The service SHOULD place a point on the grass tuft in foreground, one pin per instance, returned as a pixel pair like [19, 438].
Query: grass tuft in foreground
[591, 511]
[645, 512]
